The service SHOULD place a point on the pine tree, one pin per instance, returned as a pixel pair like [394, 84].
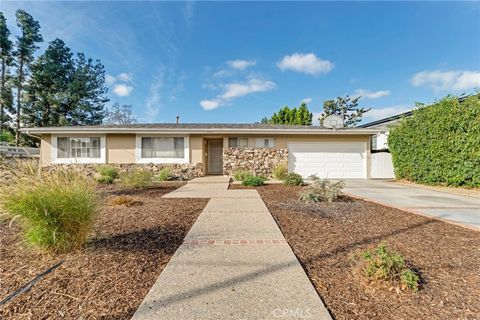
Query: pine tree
[291, 116]
[6, 98]
[25, 48]
[346, 108]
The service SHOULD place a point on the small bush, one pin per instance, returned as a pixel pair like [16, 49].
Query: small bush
[136, 178]
[384, 264]
[105, 179]
[293, 179]
[164, 174]
[253, 181]
[241, 174]
[56, 209]
[108, 171]
[280, 171]
[322, 190]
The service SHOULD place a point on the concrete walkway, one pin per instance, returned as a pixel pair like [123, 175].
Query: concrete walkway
[234, 264]
[462, 210]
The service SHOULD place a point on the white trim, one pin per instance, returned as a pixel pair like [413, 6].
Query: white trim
[54, 151]
[260, 141]
[138, 150]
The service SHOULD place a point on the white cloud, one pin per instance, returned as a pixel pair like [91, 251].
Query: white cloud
[241, 64]
[125, 77]
[447, 80]
[307, 100]
[306, 63]
[380, 113]
[109, 79]
[209, 104]
[153, 102]
[122, 90]
[236, 90]
[367, 94]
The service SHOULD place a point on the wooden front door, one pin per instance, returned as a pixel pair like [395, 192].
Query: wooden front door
[215, 157]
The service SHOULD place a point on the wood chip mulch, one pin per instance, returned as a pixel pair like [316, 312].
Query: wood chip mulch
[326, 236]
[130, 246]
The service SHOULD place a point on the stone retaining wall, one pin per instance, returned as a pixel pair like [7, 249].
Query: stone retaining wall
[257, 160]
[184, 171]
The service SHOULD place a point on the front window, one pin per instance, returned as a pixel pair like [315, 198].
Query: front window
[163, 147]
[238, 142]
[264, 142]
[68, 147]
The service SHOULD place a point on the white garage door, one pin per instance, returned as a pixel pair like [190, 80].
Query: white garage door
[333, 160]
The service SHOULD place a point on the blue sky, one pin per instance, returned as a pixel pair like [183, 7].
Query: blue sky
[238, 62]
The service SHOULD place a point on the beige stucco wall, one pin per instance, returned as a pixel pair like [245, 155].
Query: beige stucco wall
[120, 148]
[45, 150]
[196, 149]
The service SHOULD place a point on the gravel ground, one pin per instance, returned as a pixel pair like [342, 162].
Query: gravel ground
[326, 236]
[126, 253]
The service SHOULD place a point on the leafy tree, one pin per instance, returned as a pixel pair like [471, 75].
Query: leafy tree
[120, 114]
[64, 90]
[345, 107]
[6, 97]
[25, 48]
[291, 116]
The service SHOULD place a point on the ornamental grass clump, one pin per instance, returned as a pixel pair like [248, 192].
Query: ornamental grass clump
[163, 175]
[322, 190]
[384, 264]
[106, 174]
[241, 174]
[56, 209]
[280, 171]
[136, 178]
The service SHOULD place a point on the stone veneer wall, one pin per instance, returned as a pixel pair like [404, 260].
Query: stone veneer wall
[184, 171]
[257, 160]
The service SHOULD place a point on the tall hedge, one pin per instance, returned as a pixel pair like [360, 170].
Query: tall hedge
[439, 144]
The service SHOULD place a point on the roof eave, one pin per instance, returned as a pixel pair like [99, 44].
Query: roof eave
[63, 130]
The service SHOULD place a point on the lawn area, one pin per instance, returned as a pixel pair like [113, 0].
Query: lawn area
[130, 246]
[325, 236]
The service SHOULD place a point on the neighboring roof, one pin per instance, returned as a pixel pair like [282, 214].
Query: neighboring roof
[399, 116]
[389, 119]
[199, 128]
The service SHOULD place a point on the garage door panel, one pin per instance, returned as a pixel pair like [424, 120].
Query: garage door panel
[328, 160]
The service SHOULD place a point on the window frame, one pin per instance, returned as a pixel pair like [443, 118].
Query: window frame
[271, 142]
[238, 142]
[139, 155]
[55, 149]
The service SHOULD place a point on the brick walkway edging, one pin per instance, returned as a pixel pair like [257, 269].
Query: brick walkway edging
[255, 242]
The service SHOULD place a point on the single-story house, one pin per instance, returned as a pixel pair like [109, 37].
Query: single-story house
[204, 149]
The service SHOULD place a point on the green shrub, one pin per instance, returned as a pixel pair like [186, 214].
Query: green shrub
[439, 144]
[280, 171]
[56, 209]
[105, 179]
[164, 174]
[384, 264]
[108, 171]
[136, 178]
[240, 175]
[253, 181]
[7, 136]
[322, 190]
[293, 179]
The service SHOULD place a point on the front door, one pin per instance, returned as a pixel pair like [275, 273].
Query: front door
[215, 157]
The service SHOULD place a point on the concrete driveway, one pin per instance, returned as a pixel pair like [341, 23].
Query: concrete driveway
[463, 210]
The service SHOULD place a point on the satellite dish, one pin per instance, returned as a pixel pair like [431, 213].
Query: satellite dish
[333, 121]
